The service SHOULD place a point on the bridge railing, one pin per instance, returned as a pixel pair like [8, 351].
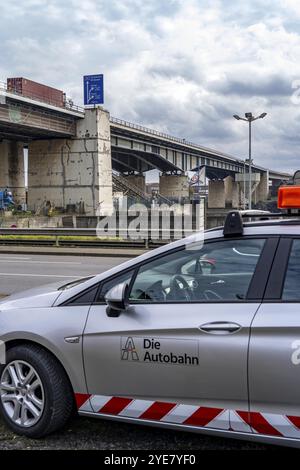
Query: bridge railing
[214, 154]
[148, 130]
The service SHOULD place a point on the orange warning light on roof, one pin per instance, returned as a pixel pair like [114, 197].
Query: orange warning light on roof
[289, 197]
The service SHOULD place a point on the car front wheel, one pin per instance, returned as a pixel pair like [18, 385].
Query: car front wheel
[35, 394]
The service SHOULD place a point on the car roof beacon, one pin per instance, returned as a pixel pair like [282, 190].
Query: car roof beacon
[233, 224]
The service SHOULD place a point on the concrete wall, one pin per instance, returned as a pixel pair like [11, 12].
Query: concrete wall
[174, 186]
[12, 169]
[71, 171]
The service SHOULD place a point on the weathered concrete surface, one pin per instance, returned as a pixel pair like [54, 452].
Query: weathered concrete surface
[73, 171]
[33, 120]
[216, 195]
[231, 189]
[262, 190]
[12, 169]
[174, 185]
[137, 180]
[215, 217]
[31, 222]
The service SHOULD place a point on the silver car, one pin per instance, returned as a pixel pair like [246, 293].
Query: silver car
[194, 336]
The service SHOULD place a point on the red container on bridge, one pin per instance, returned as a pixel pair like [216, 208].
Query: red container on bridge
[36, 91]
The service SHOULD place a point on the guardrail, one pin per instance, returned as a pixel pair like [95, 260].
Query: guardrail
[55, 239]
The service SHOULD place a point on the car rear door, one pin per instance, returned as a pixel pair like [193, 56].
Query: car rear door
[179, 360]
[274, 352]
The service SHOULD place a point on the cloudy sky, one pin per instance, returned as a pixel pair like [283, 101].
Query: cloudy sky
[180, 66]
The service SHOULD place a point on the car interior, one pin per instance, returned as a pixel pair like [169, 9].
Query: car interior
[218, 272]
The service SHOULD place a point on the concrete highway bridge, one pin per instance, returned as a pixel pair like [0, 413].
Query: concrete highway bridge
[82, 156]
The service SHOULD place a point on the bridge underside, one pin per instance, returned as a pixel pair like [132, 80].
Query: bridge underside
[18, 132]
[135, 161]
[213, 173]
[24, 123]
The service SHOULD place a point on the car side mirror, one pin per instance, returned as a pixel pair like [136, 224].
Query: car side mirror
[117, 299]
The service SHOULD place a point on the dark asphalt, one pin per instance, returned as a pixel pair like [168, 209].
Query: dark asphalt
[89, 434]
[20, 271]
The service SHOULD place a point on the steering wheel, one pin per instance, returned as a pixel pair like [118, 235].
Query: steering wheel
[178, 285]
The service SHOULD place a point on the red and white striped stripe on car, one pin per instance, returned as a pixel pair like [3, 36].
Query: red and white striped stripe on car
[191, 415]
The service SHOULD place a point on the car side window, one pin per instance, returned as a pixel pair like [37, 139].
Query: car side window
[291, 290]
[219, 271]
[107, 285]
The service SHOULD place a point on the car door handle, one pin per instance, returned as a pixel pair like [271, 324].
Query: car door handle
[220, 327]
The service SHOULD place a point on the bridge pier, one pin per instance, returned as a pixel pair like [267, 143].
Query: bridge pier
[262, 190]
[138, 180]
[231, 193]
[75, 171]
[223, 193]
[174, 186]
[216, 194]
[260, 186]
[12, 169]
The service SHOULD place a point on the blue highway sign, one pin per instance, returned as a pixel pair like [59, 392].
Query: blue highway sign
[93, 89]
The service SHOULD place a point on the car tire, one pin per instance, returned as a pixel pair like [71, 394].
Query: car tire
[46, 406]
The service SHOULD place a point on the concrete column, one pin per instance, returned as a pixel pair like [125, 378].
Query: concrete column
[4, 165]
[12, 169]
[137, 180]
[216, 195]
[231, 192]
[74, 171]
[174, 186]
[262, 190]
[228, 184]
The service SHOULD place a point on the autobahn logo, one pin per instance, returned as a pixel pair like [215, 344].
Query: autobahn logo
[129, 351]
[172, 351]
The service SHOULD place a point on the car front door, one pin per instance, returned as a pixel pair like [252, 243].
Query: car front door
[179, 353]
[274, 353]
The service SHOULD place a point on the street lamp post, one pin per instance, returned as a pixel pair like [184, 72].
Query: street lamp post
[250, 118]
